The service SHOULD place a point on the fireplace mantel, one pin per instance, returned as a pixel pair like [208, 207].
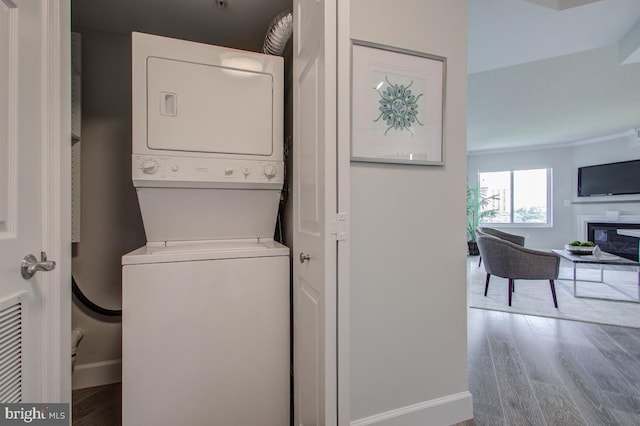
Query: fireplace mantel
[603, 218]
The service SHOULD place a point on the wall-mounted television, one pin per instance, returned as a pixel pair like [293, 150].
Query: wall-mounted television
[609, 179]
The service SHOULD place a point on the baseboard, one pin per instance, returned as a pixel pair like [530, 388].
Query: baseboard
[447, 410]
[97, 374]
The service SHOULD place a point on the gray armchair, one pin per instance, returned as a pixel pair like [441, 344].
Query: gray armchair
[516, 239]
[512, 261]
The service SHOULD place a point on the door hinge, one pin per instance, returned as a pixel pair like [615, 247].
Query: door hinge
[338, 226]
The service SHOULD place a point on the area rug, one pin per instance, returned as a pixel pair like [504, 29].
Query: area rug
[533, 297]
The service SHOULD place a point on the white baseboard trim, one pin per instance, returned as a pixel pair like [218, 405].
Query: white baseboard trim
[447, 410]
[97, 374]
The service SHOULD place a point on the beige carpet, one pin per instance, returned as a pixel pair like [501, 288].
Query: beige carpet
[534, 297]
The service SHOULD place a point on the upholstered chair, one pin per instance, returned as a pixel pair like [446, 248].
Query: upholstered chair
[514, 262]
[516, 239]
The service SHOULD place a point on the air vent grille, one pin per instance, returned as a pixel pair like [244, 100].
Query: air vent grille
[11, 350]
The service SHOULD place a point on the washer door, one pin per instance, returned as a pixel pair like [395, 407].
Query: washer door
[207, 108]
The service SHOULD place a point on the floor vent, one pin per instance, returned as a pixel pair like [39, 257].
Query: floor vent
[11, 350]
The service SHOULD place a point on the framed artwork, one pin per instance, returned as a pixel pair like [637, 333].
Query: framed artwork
[397, 105]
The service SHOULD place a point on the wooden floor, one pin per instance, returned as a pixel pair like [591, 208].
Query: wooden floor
[523, 370]
[526, 370]
[98, 406]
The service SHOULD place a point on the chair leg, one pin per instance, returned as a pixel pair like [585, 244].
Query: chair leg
[486, 285]
[553, 293]
[510, 290]
[480, 261]
[513, 286]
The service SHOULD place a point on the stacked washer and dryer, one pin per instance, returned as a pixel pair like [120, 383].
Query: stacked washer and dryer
[206, 300]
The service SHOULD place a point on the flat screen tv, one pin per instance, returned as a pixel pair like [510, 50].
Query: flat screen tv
[609, 179]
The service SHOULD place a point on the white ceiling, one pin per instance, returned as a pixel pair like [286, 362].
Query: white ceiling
[546, 75]
[503, 33]
[511, 44]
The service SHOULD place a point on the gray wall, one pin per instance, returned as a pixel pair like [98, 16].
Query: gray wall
[564, 160]
[408, 298]
[111, 224]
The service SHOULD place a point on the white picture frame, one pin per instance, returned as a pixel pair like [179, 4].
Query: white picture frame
[397, 105]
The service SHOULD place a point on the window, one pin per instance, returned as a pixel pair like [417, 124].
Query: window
[522, 197]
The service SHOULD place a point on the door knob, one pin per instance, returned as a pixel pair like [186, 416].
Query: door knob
[304, 257]
[30, 265]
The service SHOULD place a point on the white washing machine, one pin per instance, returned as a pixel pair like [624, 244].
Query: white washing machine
[205, 334]
[206, 302]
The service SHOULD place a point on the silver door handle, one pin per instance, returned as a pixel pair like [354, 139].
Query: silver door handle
[304, 257]
[30, 265]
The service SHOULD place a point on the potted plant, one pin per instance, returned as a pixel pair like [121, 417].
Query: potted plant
[477, 213]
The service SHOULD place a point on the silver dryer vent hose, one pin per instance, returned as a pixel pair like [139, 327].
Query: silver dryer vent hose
[278, 35]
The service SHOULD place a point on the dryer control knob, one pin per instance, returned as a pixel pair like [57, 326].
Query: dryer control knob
[246, 171]
[149, 166]
[269, 171]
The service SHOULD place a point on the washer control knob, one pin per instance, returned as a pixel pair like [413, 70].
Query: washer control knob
[175, 168]
[149, 166]
[246, 171]
[269, 171]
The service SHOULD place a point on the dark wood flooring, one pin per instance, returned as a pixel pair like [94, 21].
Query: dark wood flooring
[97, 406]
[523, 370]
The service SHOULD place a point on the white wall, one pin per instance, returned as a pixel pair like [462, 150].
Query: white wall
[564, 161]
[408, 299]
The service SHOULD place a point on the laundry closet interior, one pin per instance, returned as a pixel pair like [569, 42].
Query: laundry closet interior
[180, 211]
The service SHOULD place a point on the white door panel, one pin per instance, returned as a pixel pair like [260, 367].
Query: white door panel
[314, 175]
[310, 160]
[309, 367]
[21, 224]
[8, 111]
[29, 218]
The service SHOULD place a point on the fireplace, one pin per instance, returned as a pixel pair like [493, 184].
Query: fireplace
[605, 235]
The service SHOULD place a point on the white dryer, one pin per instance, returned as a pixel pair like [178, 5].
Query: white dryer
[207, 139]
[206, 301]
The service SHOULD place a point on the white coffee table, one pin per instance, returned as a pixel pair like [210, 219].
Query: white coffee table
[604, 259]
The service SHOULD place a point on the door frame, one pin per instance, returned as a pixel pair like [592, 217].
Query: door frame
[56, 200]
[343, 166]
